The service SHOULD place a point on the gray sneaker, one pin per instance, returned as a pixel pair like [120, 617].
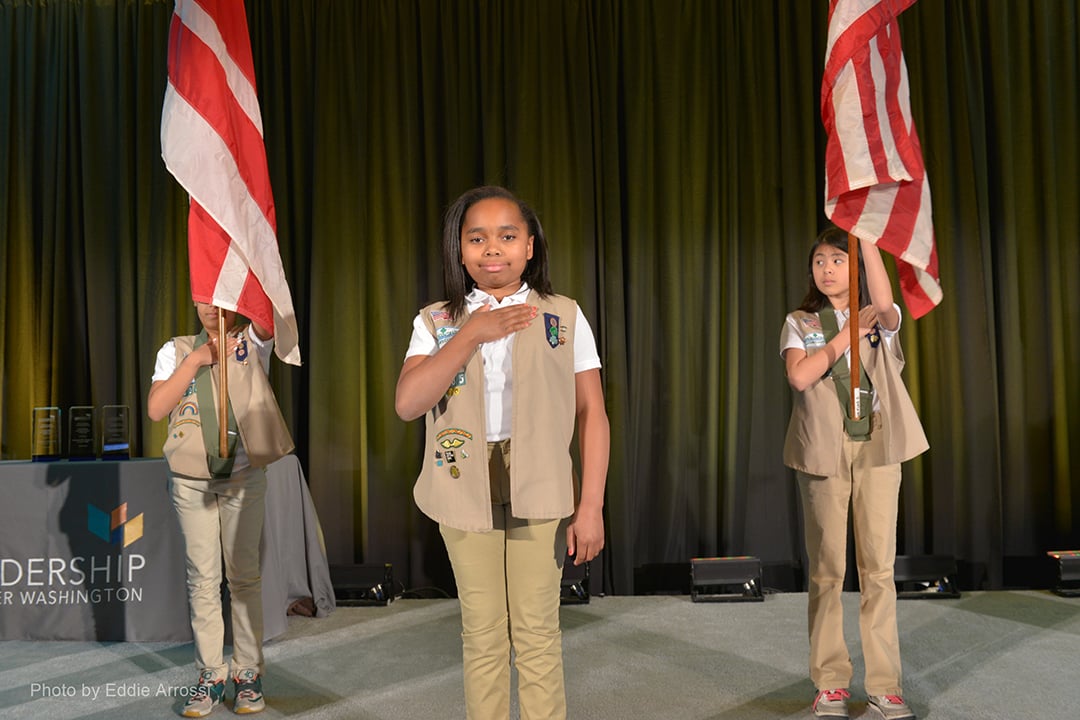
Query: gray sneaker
[891, 707]
[249, 696]
[205, 696]
[831, 703]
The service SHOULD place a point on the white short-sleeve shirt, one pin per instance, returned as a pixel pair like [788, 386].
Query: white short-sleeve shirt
[791, 337]
[497, 357]
[165, 366]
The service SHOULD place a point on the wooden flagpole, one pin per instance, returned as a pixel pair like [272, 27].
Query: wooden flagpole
[223, 386]
[853, 322]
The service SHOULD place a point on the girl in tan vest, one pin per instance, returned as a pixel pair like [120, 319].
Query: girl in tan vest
[220, 502]
[503, 370]
[839, 461]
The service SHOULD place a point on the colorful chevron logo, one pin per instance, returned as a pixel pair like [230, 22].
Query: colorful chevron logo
[114, 527]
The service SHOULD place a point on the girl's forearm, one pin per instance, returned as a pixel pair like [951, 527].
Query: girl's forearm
[165, 394]
[877, 280]
[811, 368]
[424, 380]
[594, 439]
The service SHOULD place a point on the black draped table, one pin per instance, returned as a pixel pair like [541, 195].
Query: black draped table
[93, 551]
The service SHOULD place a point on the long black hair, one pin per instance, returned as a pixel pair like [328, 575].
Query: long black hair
[458, 281]
[815, 300]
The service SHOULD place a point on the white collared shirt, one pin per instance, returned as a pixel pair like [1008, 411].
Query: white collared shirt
[791, 337]
[497, 356]
[165, 366]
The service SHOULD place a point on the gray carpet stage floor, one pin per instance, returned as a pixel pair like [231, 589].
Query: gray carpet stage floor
[1008, 655]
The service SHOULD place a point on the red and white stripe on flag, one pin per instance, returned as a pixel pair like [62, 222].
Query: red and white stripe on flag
[212, 143]
[875, 183]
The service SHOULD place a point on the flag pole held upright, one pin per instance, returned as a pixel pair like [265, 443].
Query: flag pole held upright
[223, 387]
[853, 322]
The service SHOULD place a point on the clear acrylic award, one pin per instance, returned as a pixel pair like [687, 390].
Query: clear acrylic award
[81, 442]
[46, 434]
[115, 440]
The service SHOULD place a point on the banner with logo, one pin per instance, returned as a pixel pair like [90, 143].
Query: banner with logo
[91, 551]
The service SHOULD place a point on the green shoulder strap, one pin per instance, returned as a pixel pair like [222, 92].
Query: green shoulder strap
[220, 467]
[856, 429]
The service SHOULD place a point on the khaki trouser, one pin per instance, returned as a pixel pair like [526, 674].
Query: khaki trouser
[874, 495]
[223, 517]
[508, 583]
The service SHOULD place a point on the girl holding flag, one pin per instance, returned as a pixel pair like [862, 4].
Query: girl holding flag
[840, 460]
[220, 501]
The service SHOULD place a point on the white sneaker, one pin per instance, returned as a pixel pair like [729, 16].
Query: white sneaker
[891, 707]
[831, 703]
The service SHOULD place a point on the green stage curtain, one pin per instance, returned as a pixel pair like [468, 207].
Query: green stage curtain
[674, 153]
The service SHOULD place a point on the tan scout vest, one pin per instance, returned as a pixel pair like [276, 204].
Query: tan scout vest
[262, 428]
[816, 430]
[453, 487]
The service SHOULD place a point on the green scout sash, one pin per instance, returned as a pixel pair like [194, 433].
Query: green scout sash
[856, 429]
[220, 467]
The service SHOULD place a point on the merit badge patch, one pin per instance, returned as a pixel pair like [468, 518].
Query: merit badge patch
[875, 336]
[455, 384]
[188, 415]
[242, 351]
[452, 441]
[551, 326]
[452, 438]
[443, 334]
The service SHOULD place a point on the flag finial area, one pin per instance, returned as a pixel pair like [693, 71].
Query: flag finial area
[875, 182]
[212, 143]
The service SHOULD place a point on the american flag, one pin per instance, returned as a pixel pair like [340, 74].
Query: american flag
[875, 182]
[212, 143]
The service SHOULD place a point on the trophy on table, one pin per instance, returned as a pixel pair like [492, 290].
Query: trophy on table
[46, 434]
[115, 442]
[81, 442]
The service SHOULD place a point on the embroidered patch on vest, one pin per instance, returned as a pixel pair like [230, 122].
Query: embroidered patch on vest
[551, 324]
[242, 351]
[814, 339]
[453, 434]
[452, 441]
[442, 336]
[440, 316]
[188, 414]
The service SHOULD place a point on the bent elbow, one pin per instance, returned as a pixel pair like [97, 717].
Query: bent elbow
[152, 410]
[798, 384]
[406, 411]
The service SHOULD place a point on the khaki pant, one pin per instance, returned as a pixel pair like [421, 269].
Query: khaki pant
[508, 583]
[874, 494]
[223, 518]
